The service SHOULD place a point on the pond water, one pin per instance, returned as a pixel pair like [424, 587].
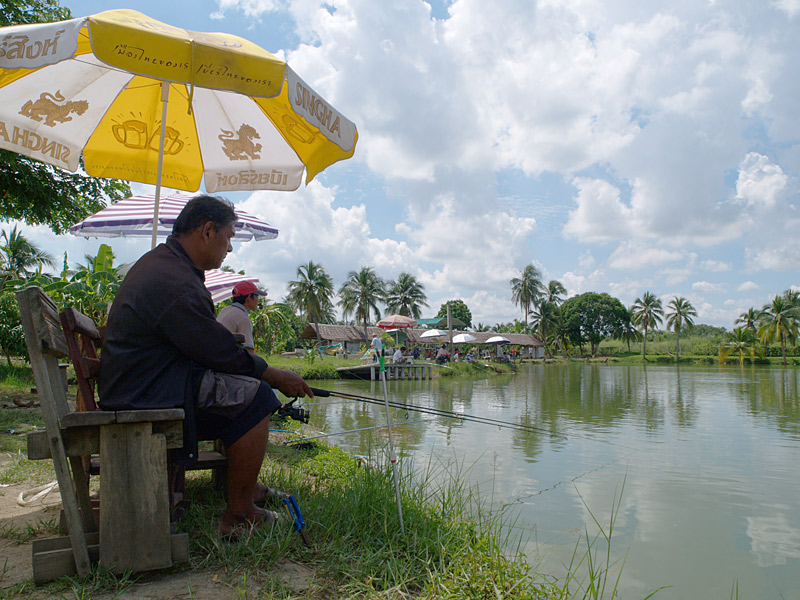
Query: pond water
[698, 465]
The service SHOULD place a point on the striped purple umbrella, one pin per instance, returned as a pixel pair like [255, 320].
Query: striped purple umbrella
[133, 217]
[220, 283]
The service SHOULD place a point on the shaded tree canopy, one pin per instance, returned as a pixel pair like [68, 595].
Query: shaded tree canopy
[591, 317]
[20, 12]
[458, 310]
[33, 191]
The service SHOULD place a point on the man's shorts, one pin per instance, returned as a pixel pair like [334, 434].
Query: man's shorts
[228, 406]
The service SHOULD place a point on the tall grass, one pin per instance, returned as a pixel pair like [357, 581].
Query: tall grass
[454, 546]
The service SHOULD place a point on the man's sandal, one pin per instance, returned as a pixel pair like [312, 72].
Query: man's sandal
[269, 495]
[240, 530]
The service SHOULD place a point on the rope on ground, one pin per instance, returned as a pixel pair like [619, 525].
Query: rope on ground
[39, 493]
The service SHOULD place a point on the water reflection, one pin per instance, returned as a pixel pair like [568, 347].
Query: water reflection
[558, 400]
[773, 394]
[708, 456]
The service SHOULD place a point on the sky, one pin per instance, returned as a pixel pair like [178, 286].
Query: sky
[620, 146]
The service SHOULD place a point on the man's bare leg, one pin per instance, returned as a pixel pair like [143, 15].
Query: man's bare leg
[244, 463]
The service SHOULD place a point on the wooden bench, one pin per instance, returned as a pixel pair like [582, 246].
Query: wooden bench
[83, 340]
[134, 522]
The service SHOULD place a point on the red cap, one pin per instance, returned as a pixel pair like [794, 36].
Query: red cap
[245, 288]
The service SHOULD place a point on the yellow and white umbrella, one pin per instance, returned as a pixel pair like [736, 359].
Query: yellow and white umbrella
[144, 101]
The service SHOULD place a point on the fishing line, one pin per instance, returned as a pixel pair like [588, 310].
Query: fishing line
[436, 412]
[465, 417]
[574, 479]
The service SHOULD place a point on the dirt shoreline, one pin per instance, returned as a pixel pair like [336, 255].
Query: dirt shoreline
[181, 582]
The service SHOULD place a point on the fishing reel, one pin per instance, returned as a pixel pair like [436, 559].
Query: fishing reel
[298, 413]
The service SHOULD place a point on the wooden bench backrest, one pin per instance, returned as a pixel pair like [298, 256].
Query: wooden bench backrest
[83, 338]
[46, 344]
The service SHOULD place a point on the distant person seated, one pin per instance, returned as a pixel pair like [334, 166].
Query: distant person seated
[415, 353]
[235, 317]
[470, 357]
[456, 355]
[442, 356]
[399, 356]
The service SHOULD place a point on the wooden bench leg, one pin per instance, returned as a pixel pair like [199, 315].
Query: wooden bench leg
[134, 515]
[176, 477]
[219, 475]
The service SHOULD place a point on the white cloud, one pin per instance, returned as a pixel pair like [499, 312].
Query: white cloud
[251, 8]
[790, 7]
[707, 287]
[453, 255]
[676, 275]
[311, 229]
[578, 284]
[600, 215]
[747, 286]
[627, 291]
[760, 182]
[637, 255]
[715, 266]
[781, 256]
[586, 260]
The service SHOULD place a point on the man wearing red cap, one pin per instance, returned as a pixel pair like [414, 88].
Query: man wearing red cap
[236, 317]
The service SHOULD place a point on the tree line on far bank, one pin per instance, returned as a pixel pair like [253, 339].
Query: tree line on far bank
[579, 323]
[590, 318]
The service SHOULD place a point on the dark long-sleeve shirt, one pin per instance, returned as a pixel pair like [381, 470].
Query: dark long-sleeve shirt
[160, 329]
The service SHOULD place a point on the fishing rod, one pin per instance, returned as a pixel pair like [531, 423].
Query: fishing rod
[434, 411]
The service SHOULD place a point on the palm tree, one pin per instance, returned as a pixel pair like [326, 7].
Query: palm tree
[311, 293]
[748, 319]
[527, 290]
[647, 314]
[681, 313]
[545, 319]
[555, 292]
[19, 258]
[780, 319]
[740, 342]
[361, 293]
[627, 330]
[406, 296]
[792, 297]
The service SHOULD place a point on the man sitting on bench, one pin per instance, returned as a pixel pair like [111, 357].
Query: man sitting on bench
[164, 348]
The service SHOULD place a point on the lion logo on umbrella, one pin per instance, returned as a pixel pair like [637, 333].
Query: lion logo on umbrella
[47, 107]
[239, 145]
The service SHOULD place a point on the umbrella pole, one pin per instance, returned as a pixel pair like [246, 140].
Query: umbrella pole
[392, 454]
[160, 168]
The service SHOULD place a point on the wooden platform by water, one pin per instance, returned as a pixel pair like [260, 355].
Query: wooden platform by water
[372, 371]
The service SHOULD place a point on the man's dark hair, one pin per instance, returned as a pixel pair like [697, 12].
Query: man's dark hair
[201, 209]
[241, 299]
